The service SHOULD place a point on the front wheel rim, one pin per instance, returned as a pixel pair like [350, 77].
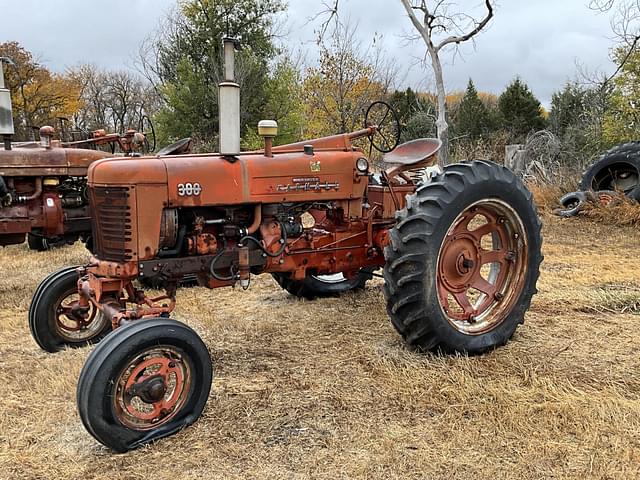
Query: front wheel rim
[482, 266]
[73, 327]
[152, 388]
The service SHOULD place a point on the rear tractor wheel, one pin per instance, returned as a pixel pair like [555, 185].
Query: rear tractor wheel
[52, 320]
[464, 260]
[317, 286]
[144, 382]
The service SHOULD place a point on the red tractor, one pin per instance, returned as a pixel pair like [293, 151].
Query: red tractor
[460, 250]
[43, 187]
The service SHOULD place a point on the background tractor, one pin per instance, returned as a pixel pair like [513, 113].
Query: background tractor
[43, 185]
[459, 249]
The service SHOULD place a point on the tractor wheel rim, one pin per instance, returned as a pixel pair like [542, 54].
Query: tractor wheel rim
[482, 266]
[74, 329]
[331, 278]
[152, 388]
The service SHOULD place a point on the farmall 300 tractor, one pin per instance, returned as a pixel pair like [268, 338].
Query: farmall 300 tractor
[460, 252]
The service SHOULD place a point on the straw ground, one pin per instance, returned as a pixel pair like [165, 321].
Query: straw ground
[326, 389]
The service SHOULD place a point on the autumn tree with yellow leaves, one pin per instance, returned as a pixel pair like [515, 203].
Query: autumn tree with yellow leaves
[39, 97]
[346, 81]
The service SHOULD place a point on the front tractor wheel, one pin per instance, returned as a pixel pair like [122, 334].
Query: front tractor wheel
[144, 382]
[53, 321]
[464, 260]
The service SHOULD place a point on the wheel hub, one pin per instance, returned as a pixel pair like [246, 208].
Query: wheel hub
[151, 389]
[459, 262]
[480, 266]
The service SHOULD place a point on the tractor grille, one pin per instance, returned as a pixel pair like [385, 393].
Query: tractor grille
[111, 223]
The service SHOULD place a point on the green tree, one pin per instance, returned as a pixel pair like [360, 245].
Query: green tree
[184, 60]
[421, 125]
[576, 119]
[568, 108]
[284, 104]
[405, 103]
[622, 117]
[473, 118]
[521, 111]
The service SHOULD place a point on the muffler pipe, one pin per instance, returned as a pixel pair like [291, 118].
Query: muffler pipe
[229, 103]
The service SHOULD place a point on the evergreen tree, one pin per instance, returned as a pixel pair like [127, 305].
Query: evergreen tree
[473, 117]
[420, 125]
[186, 58]
[405, 103]
[521, 111]
[568, 108]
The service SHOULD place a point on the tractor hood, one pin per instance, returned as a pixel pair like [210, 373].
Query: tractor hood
[210, 179]
[34, 160]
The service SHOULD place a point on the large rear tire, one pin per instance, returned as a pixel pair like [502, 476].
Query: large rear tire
[318, 286]
[464, 259]
[146, 381]
[617, 169]
[51, 322]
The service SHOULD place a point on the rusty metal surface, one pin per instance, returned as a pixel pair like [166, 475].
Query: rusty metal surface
[130, 225]
[481, 266]
[43, 162]
[414, 152]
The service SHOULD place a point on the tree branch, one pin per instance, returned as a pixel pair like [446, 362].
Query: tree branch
[475, 31]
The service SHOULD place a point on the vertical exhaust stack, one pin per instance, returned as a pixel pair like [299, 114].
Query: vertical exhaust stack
[6, 113]
[229, 102]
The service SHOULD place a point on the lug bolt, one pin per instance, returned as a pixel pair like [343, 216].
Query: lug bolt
[172, 365]
[498, 296]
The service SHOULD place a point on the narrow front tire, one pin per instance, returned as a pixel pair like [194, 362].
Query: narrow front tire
[146, 381]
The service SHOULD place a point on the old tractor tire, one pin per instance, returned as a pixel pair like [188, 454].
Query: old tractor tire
[145, 381]
[572, 204]
[617, 169]
[38, 243]
[318, 286]
[445, 289]
[50, 320]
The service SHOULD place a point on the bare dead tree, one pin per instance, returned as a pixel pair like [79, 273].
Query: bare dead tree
[440, 24]
[113, 100]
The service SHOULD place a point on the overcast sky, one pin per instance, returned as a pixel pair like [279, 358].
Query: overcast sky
[540, 40]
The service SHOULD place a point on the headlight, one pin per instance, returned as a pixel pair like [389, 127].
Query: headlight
[362, 165]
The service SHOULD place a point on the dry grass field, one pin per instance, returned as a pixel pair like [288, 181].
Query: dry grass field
[326, 389]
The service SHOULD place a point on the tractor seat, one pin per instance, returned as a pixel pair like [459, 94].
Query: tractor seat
[413, 152]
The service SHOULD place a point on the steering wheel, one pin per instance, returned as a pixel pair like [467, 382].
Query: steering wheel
[387, 134]
[150, 131]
